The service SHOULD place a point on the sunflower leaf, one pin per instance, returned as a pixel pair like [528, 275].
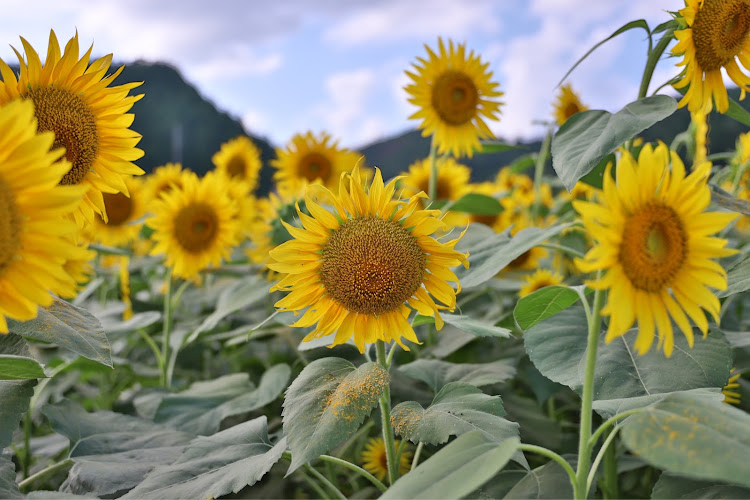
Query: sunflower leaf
[589, 136]
[326, 403]
[479, 204]
[14, 394]
[436, 373]
[673, 486]
[8, 486]
[548, 481]
[497, 147]
[686, 434]
[738, 278]
[541, 304]
[14, 367]
[737, 112]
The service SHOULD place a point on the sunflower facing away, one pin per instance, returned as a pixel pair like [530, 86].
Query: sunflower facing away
[123, 215]
[568, 103]
[654, 244]
[73, 99]
[196, 226]
[240, 158]
[375, 461]
[358, 270]
[455, 96]
[717, 36]
[37, 233]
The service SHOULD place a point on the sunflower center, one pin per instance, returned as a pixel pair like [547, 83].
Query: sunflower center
[315, 166]
[118, 208]
[236, 167]
[372, 265]
[74, 125]
[10, 226]
[654, 247]
[455, 98]
[720, 31]
[196, 227]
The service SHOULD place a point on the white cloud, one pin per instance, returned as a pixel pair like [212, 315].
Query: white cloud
[255, 121]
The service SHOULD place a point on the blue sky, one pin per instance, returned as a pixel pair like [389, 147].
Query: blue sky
[288, 66]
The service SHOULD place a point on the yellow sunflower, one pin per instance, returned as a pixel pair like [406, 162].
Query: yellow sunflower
[195, 227]
[654, 243]
[37, 232]
[124, 214]
[538, 280]
[244, 202]
[73, 99]
[357, 270]
[165, 178]
[452, 181]
[240, 158]
[716, 37]
[313, 158]
[568, 103]
[375, 461]
[455, 96]
[530, 258]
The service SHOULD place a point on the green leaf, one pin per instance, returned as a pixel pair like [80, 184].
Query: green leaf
[456, 470]
[738, 278]
[436, 373]
[497, 147]
[214, 466]
[548, 481]
[671, 486]
[8, 486]
[542, 304]
[596, 176]
[112, 452]
[68, 326]
[737, 112]
[686, 435]
[14, 367]
[475, 327]
[610, 407]
[458, 408]
[589, 136]
[326, 403]
[200, 409]
[479, 204]
[726, 200]
[14, 395]
[139, 320]
[489, 256]
[536, 426]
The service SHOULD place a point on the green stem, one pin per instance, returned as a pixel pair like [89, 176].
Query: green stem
[541, 160]
[359, 470]
[320, 477]
[432, 185]
[44, 472]
[653, 58]
[155, 348]
[390, 357]
[166, 330]
[26, 462]
[584, 452]
[311, 482]
[385, 414]
[598, 459]
[415, 460]
[610, 487]
[608, 423]
[551, 455]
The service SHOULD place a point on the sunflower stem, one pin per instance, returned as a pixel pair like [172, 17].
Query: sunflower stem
[166, 329]
[609, 486]
[328, 484]
[417, 453]
[44, 472]
[599, 456]
[541, 160]
[385, 415]
[552, 456]
[584, 451]
[432, 185]
[356, 468]
[653, 57]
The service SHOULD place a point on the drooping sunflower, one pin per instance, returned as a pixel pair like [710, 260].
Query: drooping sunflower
[165, 178]
[654, 247]
[568, 103]
[37, 231]
[717, 36]
[538, 280]
[239, 158]
[124, 214]
[195, 227]
[455, 95]
[359, 272]
[375, 460]
[313, 158]
[74, 99]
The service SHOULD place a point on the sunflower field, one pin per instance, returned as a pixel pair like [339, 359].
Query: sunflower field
[581, 335]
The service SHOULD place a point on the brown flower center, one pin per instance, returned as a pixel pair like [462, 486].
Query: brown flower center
[118, 208]
[10, 226]
[720, 31]
[372, 265]
[236, 167]
[455, 98]
[654, 247]
[74, 125]
[196, 227]
[315, 166]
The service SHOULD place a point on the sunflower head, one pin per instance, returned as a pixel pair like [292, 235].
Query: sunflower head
[360, 269]
[538, 280]
[568, 103]
[654, 247]
[239, 158]
[165, 178]
[452, 179]
[124, 213]
[455, 95]
[375, 461]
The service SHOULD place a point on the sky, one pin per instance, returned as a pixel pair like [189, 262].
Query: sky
[289, 66]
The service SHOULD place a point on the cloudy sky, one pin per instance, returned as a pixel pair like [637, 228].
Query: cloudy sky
[287, 66]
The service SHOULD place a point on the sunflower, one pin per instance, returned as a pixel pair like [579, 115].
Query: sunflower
[455, 95]
[73, 99]
[313, 158]
[123, 215]
[452, 181]
[165, 178]
[375, 461]
[239, 158]
[568, 103]
[357, 270]
[731, 396]
[716, 36]
[196, 226]
[37, 232]
[244, 203]
[538, 280]
[655, 247]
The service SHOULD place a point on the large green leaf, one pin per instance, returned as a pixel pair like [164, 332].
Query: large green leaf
[475, 203]
[456, 470]
[437, 374]
[587, 137]
[8, 486]
[489, 256]
[458, 408]
[467, 324]
[112, 452]
[548, 481]
[611, 407]
[68, 326]
[14, 395]
[544, 303]
[738, 278]
[200, 409]
[671, 486]
[687, 435]
[215, 466]
[326, 403]
[13, 367]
